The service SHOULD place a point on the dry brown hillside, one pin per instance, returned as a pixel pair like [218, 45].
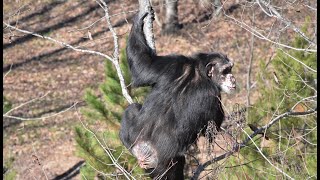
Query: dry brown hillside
[34, 67]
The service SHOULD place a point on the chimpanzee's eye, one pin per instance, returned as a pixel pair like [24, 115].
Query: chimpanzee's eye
[226, 71]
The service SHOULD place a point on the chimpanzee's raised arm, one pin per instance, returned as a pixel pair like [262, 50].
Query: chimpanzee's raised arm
[140, 56]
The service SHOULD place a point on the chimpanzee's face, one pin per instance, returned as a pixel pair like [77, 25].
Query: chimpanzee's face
[219, 70]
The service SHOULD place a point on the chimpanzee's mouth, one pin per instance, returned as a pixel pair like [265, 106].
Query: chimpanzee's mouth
[231, 87]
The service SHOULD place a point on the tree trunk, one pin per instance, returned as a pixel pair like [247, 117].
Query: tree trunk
[171, 23]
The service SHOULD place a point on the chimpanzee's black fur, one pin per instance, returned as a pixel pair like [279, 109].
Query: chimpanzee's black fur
[182, 101]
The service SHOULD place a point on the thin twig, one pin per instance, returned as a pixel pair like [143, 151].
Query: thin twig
[58, 42]
[7, 72]
[275, 13]
[40, 118]
[250, 69]
[23, 104]
[243, 144]
[259, 150]
[298, 61]
[261, 36]
[115, 59]
[123, 86]
[109, 154]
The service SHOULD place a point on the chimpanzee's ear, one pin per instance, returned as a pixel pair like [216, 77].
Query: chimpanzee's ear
[210, 68]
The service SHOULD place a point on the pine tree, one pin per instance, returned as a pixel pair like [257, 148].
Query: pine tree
[281, 86]
[106, 111]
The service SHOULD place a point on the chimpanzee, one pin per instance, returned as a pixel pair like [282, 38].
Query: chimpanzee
[184, 97]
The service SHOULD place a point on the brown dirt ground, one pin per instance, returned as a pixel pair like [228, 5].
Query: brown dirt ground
[40, 67]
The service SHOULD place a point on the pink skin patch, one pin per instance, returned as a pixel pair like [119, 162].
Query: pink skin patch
[145, 154]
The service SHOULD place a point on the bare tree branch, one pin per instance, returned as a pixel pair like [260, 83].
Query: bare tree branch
[241, 145]
[115, 59]
[274, 13]
[298, 61]
[58, 42]
[250, 68]
[7, 72]
[107, 151]
[115, 62]
[144, 6]
[259, 150]
[23, 104]
[259, 35]
[39, 118]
